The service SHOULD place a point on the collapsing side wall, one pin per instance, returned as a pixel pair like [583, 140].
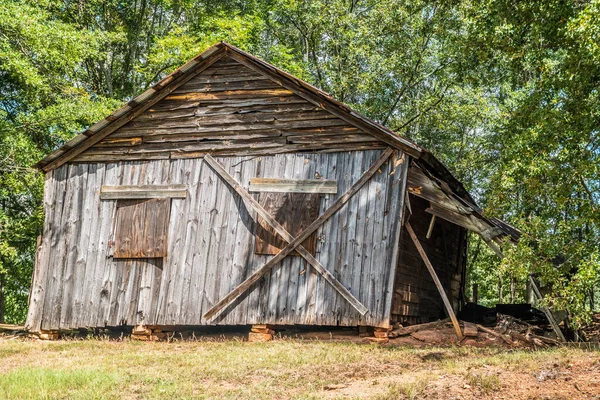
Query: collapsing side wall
[416, 298]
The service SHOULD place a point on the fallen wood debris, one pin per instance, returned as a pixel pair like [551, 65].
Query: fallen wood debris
[591, 332]
[508, 329]
[405, 331]
[496, 334]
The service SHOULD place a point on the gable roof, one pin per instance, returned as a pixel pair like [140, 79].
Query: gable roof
[139, 104]
[100, 130]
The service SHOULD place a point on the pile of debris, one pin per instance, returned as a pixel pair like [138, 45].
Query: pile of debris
[591, 332]
[506, 330]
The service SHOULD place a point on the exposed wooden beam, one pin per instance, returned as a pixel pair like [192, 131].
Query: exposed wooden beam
[436, 280]
[339, 203]
[285, 234]
[422, 186]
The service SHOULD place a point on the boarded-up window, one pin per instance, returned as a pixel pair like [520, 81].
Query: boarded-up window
[295, 212]
[141, 228]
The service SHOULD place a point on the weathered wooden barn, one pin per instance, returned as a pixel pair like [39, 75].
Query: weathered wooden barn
[234, 193]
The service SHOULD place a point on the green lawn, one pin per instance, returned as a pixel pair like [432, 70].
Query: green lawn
[102, 369]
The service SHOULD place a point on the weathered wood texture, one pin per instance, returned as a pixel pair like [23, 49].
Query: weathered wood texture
[211, 247]
[141, 228]
[229, 109]
[295, 212]
[293, 185]
[416, 298]
[142, 192]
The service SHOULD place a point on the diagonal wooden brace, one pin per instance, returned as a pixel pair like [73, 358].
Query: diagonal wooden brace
[285, 234]
[435, 278]
[292, 245]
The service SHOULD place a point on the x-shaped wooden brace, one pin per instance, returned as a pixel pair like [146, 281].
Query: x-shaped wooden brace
[293, 243]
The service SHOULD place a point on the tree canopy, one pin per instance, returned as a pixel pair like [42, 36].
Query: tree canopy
[505, 93]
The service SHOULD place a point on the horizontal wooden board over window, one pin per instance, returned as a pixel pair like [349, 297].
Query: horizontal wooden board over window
[295, 212]
[141, 227]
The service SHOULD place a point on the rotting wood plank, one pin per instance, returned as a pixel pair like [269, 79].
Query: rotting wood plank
[281, 272]
[343, 222]
[142, 192]
[293, 185]
[215, 109]
[230, 94]
[135, 111]
[214, 189]
[191, 231]
[219, 226]
[174, 105]
[179, 209]
[218, 133]
[285, 235]
[223, 120]
[37, 292]
[356, 227]
[111, 158]
[352, 118]
[399, 178]
[239, 124]
[214, 87]
[198, 245]
[235, 293]
[64, 293]
[86, 231]
[102, 264]
[438, 284]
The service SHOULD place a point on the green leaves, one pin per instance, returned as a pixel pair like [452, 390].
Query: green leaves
[505, 93]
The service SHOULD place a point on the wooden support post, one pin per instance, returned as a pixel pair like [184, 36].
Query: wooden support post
[380, 335]
[436, 280]
[261, 333]
[475, 293]
[48, 335]
[547, 311]
[430, 230]
[148, 333]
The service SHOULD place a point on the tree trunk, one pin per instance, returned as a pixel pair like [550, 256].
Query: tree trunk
[2, 303]
[500, 293]
[513, 288]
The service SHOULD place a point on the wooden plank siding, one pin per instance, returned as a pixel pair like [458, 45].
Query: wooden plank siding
[229, 109]
[211, 246]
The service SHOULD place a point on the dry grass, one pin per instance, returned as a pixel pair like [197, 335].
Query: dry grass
[99, 369]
